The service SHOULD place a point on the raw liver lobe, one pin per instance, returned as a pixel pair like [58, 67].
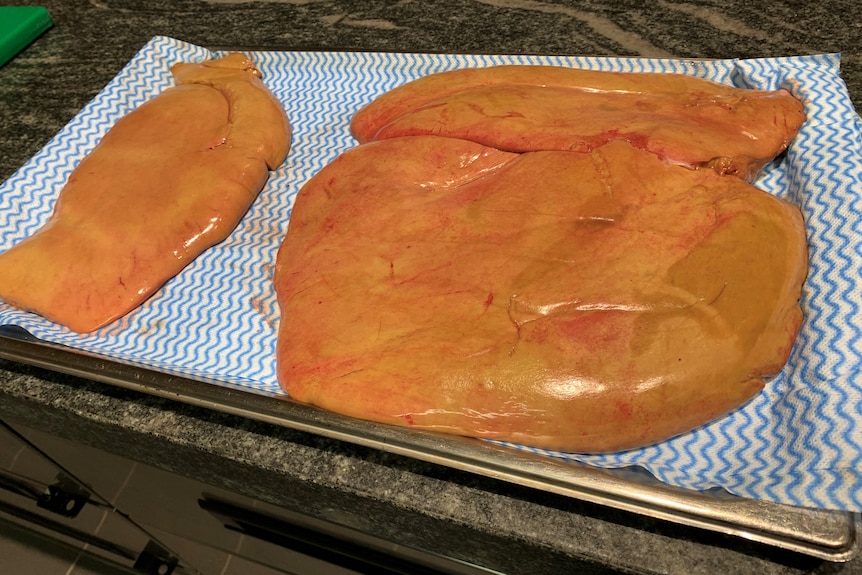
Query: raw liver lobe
[169, 180]
[681, 119]
[576, 301]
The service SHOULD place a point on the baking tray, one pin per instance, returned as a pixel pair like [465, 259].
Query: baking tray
[830, 535]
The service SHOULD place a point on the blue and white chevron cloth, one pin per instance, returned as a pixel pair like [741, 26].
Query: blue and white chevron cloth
[799, 442]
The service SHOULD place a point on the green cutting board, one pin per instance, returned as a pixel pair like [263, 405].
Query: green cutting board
[20, 25]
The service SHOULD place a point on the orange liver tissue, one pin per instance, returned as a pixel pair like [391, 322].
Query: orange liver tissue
[169, 180]
[681, 119]
[488, 281]
[583, 302]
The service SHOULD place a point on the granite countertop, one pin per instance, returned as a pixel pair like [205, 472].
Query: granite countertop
[510, 527]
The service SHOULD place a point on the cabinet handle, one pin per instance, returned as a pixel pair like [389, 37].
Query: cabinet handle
[64, 497]
[30, 518]
[344, 549]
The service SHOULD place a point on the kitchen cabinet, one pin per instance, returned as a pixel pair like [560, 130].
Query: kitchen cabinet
[40, 495]
[149, 520]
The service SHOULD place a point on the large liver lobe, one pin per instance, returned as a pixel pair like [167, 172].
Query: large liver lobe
[169, 180]
[683, 120]
[575, 301]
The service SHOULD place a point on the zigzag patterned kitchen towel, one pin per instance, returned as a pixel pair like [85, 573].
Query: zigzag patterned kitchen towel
[799, 442]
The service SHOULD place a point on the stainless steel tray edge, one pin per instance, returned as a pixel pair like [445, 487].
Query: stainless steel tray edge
[830, 535]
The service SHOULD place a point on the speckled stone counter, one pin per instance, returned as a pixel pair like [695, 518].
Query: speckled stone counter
[506, 527]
